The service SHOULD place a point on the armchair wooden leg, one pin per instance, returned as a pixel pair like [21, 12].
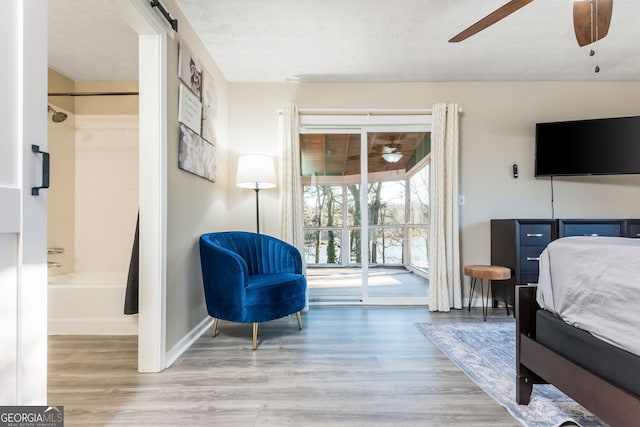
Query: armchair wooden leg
[255, 335]
[299, 317]
[215, 328]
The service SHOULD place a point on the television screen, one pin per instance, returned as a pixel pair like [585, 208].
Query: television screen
[588, 147]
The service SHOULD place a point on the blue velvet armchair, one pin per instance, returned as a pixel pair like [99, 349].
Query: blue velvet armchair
[251, 278]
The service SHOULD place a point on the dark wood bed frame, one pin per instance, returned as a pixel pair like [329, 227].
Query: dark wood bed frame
[536, 364]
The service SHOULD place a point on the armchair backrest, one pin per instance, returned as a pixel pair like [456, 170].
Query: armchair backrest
[262, 253]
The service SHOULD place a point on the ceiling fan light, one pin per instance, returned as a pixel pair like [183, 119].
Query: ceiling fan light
[386, 149]
[392, 157]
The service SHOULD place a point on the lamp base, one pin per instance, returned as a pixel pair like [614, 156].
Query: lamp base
[257, 211]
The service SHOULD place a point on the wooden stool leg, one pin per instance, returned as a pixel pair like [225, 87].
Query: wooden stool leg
[473, 285]
[485, 303]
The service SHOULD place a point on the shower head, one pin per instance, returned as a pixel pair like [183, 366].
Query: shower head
[58, 116]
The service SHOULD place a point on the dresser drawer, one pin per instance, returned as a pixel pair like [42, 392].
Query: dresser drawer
[530, 257]
[634, 230]
[528, 277]
[611, 230]
[535, 234]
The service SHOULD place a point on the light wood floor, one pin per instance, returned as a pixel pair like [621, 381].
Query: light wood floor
[349, 366]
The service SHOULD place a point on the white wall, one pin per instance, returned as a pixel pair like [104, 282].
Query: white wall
[194, 204]
[497, 128]
[253, 128]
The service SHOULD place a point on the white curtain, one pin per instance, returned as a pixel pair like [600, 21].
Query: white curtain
[291, 202]
[445, 287]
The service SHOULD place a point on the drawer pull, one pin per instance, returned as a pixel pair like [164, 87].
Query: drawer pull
[637, 234]
[533, 258]
[592, 235]
[534, 234]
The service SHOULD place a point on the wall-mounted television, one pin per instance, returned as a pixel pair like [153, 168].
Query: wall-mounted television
[608, 146]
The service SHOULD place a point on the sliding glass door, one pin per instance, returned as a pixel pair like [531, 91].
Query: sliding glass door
[330, 176]
[365, 233]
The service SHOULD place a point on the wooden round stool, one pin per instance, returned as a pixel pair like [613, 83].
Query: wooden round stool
[489, 272]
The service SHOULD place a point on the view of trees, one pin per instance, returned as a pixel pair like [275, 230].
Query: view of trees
[397, 204]
[323, 208]
[324, 222]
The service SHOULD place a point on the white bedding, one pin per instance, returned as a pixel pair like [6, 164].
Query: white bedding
[593, 283]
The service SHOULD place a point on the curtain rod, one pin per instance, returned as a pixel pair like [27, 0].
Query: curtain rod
[94, 93]
[363, 112]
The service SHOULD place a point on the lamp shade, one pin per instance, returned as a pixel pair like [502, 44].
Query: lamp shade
[256, 171]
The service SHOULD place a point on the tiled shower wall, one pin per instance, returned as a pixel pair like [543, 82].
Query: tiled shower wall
[106, 193]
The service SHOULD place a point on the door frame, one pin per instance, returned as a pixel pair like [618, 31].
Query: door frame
[153, 32]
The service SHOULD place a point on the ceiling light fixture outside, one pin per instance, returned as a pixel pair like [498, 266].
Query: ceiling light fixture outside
[392, 157]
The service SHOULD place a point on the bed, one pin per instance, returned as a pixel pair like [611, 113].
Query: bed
[579, 328]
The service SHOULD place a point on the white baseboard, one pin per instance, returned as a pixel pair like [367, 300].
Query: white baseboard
[186, 341]
[93, 326]
[477, 303]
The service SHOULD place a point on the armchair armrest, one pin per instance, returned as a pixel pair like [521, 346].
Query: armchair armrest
[224, 264]
[224, 275]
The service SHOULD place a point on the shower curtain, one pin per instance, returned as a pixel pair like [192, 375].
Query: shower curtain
[131, 296]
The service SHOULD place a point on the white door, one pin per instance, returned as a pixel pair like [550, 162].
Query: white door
[23, 271]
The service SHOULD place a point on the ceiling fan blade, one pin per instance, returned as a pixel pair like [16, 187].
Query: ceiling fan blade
[591, 20]
[490, 19]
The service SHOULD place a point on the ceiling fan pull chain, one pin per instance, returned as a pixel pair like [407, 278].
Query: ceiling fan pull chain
[594, 19]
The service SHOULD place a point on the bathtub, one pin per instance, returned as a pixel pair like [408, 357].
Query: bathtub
[89, 304]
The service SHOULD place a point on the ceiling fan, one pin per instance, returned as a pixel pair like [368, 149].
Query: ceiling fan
[390, 153]
[387, 147]
[591, 19]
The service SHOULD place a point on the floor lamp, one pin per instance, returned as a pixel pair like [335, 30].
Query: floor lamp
[256, 172]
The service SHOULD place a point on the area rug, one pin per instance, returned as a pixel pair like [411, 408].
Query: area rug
[486, 353]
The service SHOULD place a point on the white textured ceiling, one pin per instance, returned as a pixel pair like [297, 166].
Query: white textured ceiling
[361, 41]
[89, 41]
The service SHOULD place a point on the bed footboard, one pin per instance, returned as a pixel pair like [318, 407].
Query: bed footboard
[526, 307]
[612, 404]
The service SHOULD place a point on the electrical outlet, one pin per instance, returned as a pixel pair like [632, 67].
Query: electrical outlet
[461, 200]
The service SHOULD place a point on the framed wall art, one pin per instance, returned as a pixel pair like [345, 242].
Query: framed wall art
[189, 69]
[209, 107]
[196, 155]
[189, 109]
